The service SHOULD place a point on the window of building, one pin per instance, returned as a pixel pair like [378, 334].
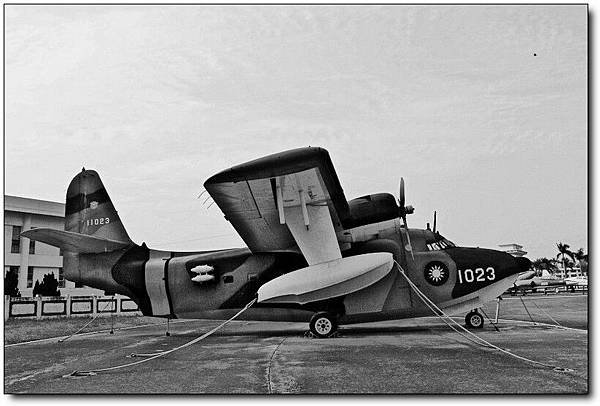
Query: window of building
[32, 245]
[15, 247]
[14, 269]
[29, 276]
[61, 278]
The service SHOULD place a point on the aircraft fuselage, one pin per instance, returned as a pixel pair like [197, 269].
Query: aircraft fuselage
[455, 278]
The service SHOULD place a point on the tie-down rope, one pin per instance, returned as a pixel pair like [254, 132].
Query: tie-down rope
[547, 314]
[62, 340]
[482, 342]
[161, 354]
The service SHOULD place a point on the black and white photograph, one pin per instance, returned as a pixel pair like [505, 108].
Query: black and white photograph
[296, 199]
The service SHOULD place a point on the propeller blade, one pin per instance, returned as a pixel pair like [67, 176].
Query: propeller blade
[408, 238]
[401, 196]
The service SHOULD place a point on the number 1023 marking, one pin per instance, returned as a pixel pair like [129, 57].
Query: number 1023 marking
[479, 275]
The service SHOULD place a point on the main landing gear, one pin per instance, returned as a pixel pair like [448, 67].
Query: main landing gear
[474, 319]
[323, 324]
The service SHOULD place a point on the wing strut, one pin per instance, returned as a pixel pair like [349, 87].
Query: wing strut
[279, 185]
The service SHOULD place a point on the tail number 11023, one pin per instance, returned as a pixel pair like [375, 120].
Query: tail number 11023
[97, 222]
[477, 275]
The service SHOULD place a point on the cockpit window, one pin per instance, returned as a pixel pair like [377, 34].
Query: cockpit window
[440, 243]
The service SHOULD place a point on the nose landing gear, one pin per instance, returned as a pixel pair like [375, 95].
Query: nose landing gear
[323, 324]
[474, 319]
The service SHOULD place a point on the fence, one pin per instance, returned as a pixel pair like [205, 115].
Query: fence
[583, 289]
[69, 306]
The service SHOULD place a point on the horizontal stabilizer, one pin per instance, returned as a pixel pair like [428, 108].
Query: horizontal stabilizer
[74, 242]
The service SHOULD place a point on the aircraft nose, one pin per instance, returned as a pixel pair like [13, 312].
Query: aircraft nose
[503, 264]
[509, 265]
[481, 267]
[523, 263]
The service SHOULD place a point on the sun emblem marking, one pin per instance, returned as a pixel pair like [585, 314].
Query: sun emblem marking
[436, 273]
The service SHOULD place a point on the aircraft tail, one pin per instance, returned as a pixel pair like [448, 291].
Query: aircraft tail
[94, 238]
[90, 211]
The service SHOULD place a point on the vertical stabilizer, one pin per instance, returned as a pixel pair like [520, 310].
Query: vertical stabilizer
[90, 211]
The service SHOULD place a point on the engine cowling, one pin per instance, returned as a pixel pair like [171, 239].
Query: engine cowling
[372, 209]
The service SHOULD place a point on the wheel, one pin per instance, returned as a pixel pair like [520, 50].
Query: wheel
[474, 320]
[323, 324]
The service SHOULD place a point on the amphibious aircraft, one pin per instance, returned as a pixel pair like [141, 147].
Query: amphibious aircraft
[311, 256]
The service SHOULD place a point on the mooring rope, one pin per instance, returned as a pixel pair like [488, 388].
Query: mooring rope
[62, 340]
[161, 354]
[431, 305]
[490, 320]
[551, 318]
[527, 310]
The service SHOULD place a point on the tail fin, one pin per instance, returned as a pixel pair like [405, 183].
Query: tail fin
[90, 211]
[94, 239]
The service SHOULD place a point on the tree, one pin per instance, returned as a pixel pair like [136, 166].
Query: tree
[582, 259]
[48, 287]
[36, 288]
[563, 252]
[540, 264]
[11, 281]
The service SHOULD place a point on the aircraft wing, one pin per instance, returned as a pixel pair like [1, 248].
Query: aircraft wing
[284, 200]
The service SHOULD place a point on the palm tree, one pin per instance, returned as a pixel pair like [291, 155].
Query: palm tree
[580, 255]
[582, 259]
[563, 250]
[544, 263]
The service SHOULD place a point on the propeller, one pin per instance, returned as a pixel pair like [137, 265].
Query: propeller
[403, 210]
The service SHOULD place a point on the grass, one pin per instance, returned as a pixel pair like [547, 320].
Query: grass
[18, 330]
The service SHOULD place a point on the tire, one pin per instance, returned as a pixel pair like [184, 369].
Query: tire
[323, 324]
[474, 320]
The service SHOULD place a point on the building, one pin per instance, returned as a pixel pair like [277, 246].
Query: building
[572, 272]
[33, 259]
[515, 250]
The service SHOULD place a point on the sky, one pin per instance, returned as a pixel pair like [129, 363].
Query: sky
[482, 110]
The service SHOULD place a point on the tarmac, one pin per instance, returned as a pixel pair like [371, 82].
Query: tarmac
[413, 356]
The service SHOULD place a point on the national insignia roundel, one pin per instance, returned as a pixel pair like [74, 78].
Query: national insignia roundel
[436, 273]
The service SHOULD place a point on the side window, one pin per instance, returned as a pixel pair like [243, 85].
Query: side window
[61, 278]
[228, 279]
[29, 276]
[15, 247]
[32, 245]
